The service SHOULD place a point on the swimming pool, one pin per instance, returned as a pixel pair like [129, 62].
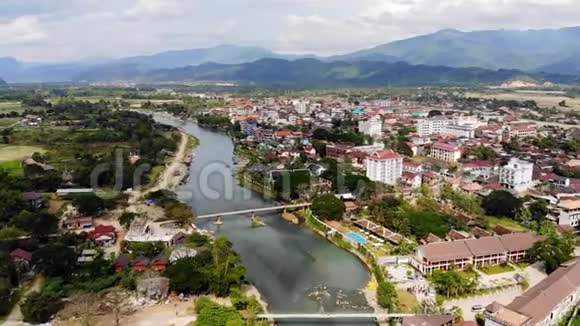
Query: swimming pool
[356, 237]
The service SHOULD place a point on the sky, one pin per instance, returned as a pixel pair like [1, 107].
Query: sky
[69, 30]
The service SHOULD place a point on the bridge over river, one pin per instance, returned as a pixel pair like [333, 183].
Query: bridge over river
[254, 210]
[332, 316]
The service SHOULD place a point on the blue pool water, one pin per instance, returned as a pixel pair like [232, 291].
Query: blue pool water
[356, 237]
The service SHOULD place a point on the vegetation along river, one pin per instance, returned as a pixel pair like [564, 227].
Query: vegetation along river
[295, 270]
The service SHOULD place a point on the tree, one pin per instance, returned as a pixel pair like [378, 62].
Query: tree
[55, 260]
[501, 203]
[386, 295]
[538, 210]
[88, 204]
[127, 218]
[213, 314]
[434, 113]
[328, 206]
[188, 275]
[39, 308]
[36, 223]
[554, 250]
[181, 213]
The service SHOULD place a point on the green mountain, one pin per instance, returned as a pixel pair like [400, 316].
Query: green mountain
[497, 49]
[316, 73]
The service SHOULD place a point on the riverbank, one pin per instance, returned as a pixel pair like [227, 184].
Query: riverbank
[369, 291]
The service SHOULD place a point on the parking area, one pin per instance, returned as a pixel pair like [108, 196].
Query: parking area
[533, 274]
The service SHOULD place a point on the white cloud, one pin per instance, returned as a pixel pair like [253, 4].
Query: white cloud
[21, 30]
[70, 29]
[154, 8]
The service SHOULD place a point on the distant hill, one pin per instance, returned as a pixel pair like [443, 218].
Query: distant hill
[570, 66]
[3, 83]
[316, 73]
[496, 49]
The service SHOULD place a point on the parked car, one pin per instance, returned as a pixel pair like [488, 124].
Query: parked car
[478, 308]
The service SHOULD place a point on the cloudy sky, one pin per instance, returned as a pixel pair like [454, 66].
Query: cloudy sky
[64, 30]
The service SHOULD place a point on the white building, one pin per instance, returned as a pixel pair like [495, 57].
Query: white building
[432, 126]
[517, 175]
[301, 106]
[569, 212]
[385, 166]
[372, 127]
[545, 304]
[446, 152]
[465, 131]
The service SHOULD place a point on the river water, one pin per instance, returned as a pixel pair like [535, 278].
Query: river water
[295, 270]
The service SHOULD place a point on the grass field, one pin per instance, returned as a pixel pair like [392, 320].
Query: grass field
[543, 100]
[8, 122]
[13, 167]
[10, 153]
[407, 301]
[505, 222]
[497, 269]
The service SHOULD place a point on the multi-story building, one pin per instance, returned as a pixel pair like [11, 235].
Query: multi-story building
[473, 252]
[372, 127]
[385, 166]
[517, 175]
[446, 152]
[569, 212]
[522, 130]
[432, 126]
[465, 131]
[545, 304]
[301, 106]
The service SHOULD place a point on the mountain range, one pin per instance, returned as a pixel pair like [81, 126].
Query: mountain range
[314, 73]
[550, 51]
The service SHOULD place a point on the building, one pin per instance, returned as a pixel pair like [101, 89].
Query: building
[473, 252]
[428, 320]
[517, 175]
[446, 152]
[432, 126]
[385, 166]
[545, 304]
[372, 127]
[459, 131]
[522, 130]
[569, 212]
[338, 151]
[103, 235]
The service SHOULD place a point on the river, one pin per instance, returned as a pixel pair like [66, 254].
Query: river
[295, 270]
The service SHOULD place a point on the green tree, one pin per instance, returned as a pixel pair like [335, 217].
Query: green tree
[181, 213]
[55, 260]
[501, 203]
[188, 275]
[39, 308]
[213, 314]
[538, 210]
[36, 223]
[328, 206]
[127, 218]
[554, 250]
[88, 204]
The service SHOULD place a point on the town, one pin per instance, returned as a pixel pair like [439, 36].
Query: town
[464, 210]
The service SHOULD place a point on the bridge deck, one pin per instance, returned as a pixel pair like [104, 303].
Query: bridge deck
[254, 210]
[333, 316]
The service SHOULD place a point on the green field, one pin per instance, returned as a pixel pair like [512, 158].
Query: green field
[10, 153]
[8, 122]
[505, 222]
[13, 167]
[497, 269]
